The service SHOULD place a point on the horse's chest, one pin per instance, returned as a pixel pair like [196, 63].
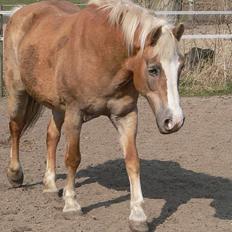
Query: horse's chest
[112, 106]
[121, 106]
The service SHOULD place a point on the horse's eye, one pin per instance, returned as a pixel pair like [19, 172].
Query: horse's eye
[154, 71]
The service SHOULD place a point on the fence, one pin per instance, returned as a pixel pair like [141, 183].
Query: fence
[220, 36]
[1, 52]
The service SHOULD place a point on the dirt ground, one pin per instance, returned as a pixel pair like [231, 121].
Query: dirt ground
[186, 177]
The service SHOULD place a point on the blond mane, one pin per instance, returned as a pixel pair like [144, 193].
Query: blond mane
[131, 17]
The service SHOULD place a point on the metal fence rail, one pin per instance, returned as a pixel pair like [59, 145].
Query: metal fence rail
[193, 12]
[171, 13]
[5, 13]
[208, 36]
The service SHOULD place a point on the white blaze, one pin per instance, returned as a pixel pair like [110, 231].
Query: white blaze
[171, 73]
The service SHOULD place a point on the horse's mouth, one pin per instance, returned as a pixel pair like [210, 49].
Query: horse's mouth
[165, 128]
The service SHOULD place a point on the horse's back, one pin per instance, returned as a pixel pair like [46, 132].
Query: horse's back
[33, 37]
[50, 6]
[46, 17]
[63, 6]
[29, 16]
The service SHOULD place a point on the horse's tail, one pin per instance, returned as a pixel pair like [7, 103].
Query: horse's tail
[32, 114]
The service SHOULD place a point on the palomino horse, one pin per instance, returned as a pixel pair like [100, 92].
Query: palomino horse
[83, 64]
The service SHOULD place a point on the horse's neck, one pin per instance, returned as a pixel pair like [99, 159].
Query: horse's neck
[103, 40]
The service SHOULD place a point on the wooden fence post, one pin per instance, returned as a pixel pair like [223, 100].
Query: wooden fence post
[1, 54]
[191, 8]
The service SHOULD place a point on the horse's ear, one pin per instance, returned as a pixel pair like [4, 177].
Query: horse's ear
[178, 31]
[154, 36]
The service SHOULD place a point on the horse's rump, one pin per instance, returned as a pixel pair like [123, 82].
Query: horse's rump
[33, 38]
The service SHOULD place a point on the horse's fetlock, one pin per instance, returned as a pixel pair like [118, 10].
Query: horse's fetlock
[137, 214]
[15, 176]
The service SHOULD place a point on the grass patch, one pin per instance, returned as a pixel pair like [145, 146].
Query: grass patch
[213, 91]
[209, 81]
[16, 2]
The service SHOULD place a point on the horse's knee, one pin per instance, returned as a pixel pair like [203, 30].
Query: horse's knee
[132, 163]
[53, 136]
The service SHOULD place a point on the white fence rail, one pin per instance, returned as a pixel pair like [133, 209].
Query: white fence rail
[5, 13]
[193, 12]
[171, 13]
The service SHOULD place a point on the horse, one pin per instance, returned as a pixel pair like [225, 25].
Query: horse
[86, 63]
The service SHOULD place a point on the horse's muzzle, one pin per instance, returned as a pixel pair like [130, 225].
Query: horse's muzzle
[169, 123]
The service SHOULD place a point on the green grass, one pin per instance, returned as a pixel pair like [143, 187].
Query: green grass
[16, 2]
[188, 91]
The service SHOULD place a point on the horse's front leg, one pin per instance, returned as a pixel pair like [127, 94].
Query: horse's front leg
[53, 137]
[72, 126]
[127, 128]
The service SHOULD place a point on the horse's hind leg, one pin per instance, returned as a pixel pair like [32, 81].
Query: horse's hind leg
[53, 137]
[17, 104]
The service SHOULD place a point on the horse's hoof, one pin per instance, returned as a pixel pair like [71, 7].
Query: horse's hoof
[15, 177]
[76, 211]
[138, 226]
[50, 190]
[70, 215]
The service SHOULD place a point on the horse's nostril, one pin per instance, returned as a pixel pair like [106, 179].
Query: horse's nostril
[168, 124]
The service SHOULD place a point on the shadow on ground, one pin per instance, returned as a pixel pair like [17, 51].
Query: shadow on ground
[162, 180]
